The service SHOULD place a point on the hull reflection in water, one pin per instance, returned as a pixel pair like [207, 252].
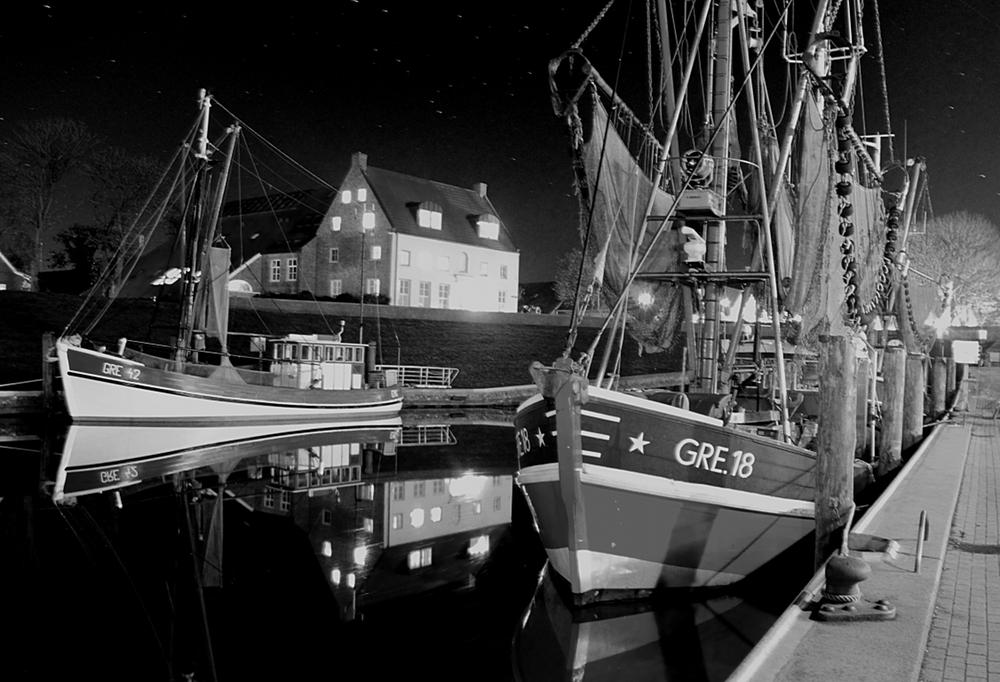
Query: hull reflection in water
[98, 459]
[641, 640]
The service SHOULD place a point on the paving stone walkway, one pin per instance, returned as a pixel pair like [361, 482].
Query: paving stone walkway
[964, 639]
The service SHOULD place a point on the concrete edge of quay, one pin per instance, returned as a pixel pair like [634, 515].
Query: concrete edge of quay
[799, 648]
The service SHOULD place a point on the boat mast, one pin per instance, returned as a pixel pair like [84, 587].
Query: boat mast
[708, 366]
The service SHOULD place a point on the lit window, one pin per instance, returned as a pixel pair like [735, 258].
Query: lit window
[484, 268]
[334, 255]
[503, 272]
[443, 263]
[417, 518]
[368, 220]
[360, 554]
[427, 217]
[419, 558]
[351, 579]
[376, 253]
[327, 548]
[362, 194]
[345, 196]
[276, 270]
[373, 286]
[404, 257]
[293, 269]
[435, 514]
[335, 576]
[403, 298]
[397, 521]
[336, 287]
[424, 295]
[489, 227]
[335, 223]
[444, 292]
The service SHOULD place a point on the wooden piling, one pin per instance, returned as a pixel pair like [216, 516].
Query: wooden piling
[952, 375]
[893, 398]
[862, 381]
[836, 440]
[48, 372]
[962, 388]
[939, 378]
[913, 403]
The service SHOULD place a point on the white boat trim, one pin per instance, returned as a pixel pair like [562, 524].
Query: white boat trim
[608, 477]
[650, 406]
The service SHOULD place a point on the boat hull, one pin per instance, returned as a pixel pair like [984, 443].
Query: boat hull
[103, 388]
[658, 497]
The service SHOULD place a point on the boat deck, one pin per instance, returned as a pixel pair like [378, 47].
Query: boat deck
[947, 624]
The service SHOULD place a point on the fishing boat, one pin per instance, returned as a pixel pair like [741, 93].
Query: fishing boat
[293, 378]
[684, 487]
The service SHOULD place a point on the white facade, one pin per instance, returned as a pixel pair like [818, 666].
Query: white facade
[431, 273]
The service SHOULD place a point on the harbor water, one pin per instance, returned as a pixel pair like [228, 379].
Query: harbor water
[399, 550]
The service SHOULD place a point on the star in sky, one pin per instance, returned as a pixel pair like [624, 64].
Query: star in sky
[638, 443]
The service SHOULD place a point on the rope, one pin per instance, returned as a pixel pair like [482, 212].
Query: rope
[885, 88]
[593, 25]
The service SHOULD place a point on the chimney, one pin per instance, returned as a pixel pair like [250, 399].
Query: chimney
[360, 160]
[480, 187]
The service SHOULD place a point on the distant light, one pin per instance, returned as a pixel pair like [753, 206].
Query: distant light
[360, 554]
[645, 299]
[368, 220]
[335, 576]
[479, 546]
[345, 196]
[327, 548]
[417, 518]
[362, 194]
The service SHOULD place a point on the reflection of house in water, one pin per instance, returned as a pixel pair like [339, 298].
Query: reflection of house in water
[384, 524]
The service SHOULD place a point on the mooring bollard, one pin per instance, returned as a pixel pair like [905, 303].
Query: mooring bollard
[923, 531]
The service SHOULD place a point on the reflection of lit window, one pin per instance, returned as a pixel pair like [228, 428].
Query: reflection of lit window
[398, 491]
[397, 521]
[327, 517]
[439, 487]
[419, 489]
[435, 514]
[327, 548]
[480, 545]
[496, 503]
[419, 558]
[286, 501]
[368, 525]
[417, 518]
[477, 507]
[360, 554]
[456, 514]
[367, 492]
[335, 576]
[269, 500]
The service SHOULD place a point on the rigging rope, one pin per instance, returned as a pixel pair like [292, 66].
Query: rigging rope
[885, 88]
[593, 25]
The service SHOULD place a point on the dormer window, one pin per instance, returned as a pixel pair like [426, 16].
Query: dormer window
[362, 194]
[429, 215]
[488, 226]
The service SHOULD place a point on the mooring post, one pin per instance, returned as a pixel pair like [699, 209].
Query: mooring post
[893, 395]
[862, 383]
[48, 371]
[939, 372]
[962, 387]
[952, 377]
[836, 440]
[913, 403]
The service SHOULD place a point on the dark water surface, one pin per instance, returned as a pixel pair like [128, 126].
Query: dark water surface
[393, 553]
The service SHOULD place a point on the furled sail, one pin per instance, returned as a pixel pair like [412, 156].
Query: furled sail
[613, 187]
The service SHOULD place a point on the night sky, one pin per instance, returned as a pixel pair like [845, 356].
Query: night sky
[455, 92]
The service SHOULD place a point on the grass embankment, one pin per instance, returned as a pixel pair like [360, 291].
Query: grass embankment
[486, 353]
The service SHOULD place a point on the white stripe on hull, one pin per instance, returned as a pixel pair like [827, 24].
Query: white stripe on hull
[600, 571]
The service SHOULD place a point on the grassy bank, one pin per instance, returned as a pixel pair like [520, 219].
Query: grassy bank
[487, 353]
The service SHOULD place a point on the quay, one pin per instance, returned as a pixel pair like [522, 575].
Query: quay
[947, 622]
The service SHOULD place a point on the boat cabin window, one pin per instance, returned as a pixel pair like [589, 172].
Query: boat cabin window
[306, 353]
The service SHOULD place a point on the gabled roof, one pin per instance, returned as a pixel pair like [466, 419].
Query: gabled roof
[400, 194]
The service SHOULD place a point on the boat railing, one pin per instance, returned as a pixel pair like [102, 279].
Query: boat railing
[427, 434]
[418, 376]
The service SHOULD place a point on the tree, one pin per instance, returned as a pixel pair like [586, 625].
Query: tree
[963, 248]
[122, 188]
[35, 160]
